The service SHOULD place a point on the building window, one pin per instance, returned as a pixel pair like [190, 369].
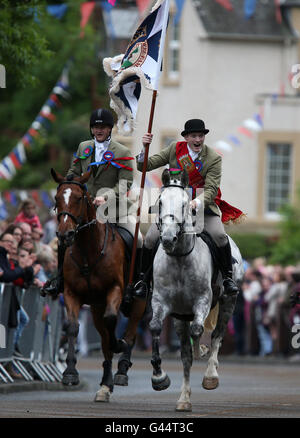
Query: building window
[174, 49]
[171, 66]
[278, 176]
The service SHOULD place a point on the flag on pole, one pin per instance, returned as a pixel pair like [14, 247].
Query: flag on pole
[140, 65]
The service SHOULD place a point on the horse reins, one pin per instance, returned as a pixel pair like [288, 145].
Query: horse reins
[181, 224]
[77, 220]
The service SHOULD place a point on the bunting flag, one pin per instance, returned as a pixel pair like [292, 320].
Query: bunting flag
[245, 131]
[17, 157]
[13, 198]
[278, 11]
[223, 145]
[3, 210]
[258, 119]
[251, 124]
[58, 11]
[179, 8]
[85, 9]
[142, 5]
[226, 4]
[108, 21]
[234, 139]
[249, 8]
[46, 199]
[140, 65]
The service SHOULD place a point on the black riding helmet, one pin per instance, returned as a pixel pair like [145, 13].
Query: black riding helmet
[101, 116]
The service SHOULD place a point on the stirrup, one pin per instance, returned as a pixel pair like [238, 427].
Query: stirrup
[140, 289]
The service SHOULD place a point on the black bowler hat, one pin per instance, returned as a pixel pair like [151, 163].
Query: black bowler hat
[194, 125]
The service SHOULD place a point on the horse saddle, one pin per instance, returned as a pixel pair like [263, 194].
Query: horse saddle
[128, 240]
[206, 237]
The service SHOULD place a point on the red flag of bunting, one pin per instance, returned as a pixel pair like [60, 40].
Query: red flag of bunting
[245, 131]
[15, 161]
[226, 4]
[278, 12]
[86, 9]
[142, 5]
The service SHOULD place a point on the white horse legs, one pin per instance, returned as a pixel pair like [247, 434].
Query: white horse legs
[160, 379]
[211, 378]
[183, 331]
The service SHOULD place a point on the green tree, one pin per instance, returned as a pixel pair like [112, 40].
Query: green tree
[22, 41]
[287, 249]
[20, 105]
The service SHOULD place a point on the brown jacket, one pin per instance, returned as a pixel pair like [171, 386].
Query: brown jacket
[105, 180]
[211, 171]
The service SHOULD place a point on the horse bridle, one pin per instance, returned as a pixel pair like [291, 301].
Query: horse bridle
[78, 220]
[172, 216]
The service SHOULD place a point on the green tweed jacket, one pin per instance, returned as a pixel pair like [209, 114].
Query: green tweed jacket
[211, 171]
[106, 180]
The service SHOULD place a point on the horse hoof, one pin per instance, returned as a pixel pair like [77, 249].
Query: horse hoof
[159, 383]
[103, 394]
[184, 407]
[70, 379]
[210, 383]
[120, 380]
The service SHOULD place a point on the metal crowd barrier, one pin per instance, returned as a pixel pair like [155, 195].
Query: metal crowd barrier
[39, 342]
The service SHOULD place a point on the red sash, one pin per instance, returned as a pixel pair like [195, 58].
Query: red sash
[196, 180]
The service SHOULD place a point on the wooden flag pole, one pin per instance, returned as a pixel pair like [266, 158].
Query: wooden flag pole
[137, 226]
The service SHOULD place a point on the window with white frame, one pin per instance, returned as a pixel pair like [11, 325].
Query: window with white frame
[173, 49]
[278, 176]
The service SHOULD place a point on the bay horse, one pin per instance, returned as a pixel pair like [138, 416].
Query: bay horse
[185, 286]
[94, 271]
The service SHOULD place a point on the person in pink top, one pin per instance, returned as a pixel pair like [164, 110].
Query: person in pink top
[28, 214]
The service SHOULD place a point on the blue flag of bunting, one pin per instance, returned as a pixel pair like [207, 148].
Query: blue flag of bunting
[58, 11]
[46, 199]
[14, 199]
[3, 210]
[234, 140]
[259, 120]
[140, 65]
[106, 8]
[249, 8]
[179, 6]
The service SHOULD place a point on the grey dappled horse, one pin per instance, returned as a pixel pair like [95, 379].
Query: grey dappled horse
[182, 287]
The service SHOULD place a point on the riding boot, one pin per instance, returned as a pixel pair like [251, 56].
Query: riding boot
[55, 285]
[230, 287]
[142, 279]
[139, 287]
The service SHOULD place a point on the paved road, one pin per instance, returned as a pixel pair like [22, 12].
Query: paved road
[247, 390]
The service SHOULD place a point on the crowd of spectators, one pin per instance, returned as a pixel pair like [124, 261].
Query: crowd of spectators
[263, 317]
[27, 257]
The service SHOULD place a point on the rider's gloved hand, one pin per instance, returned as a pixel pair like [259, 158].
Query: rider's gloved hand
[99, 200]
[195, 204]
